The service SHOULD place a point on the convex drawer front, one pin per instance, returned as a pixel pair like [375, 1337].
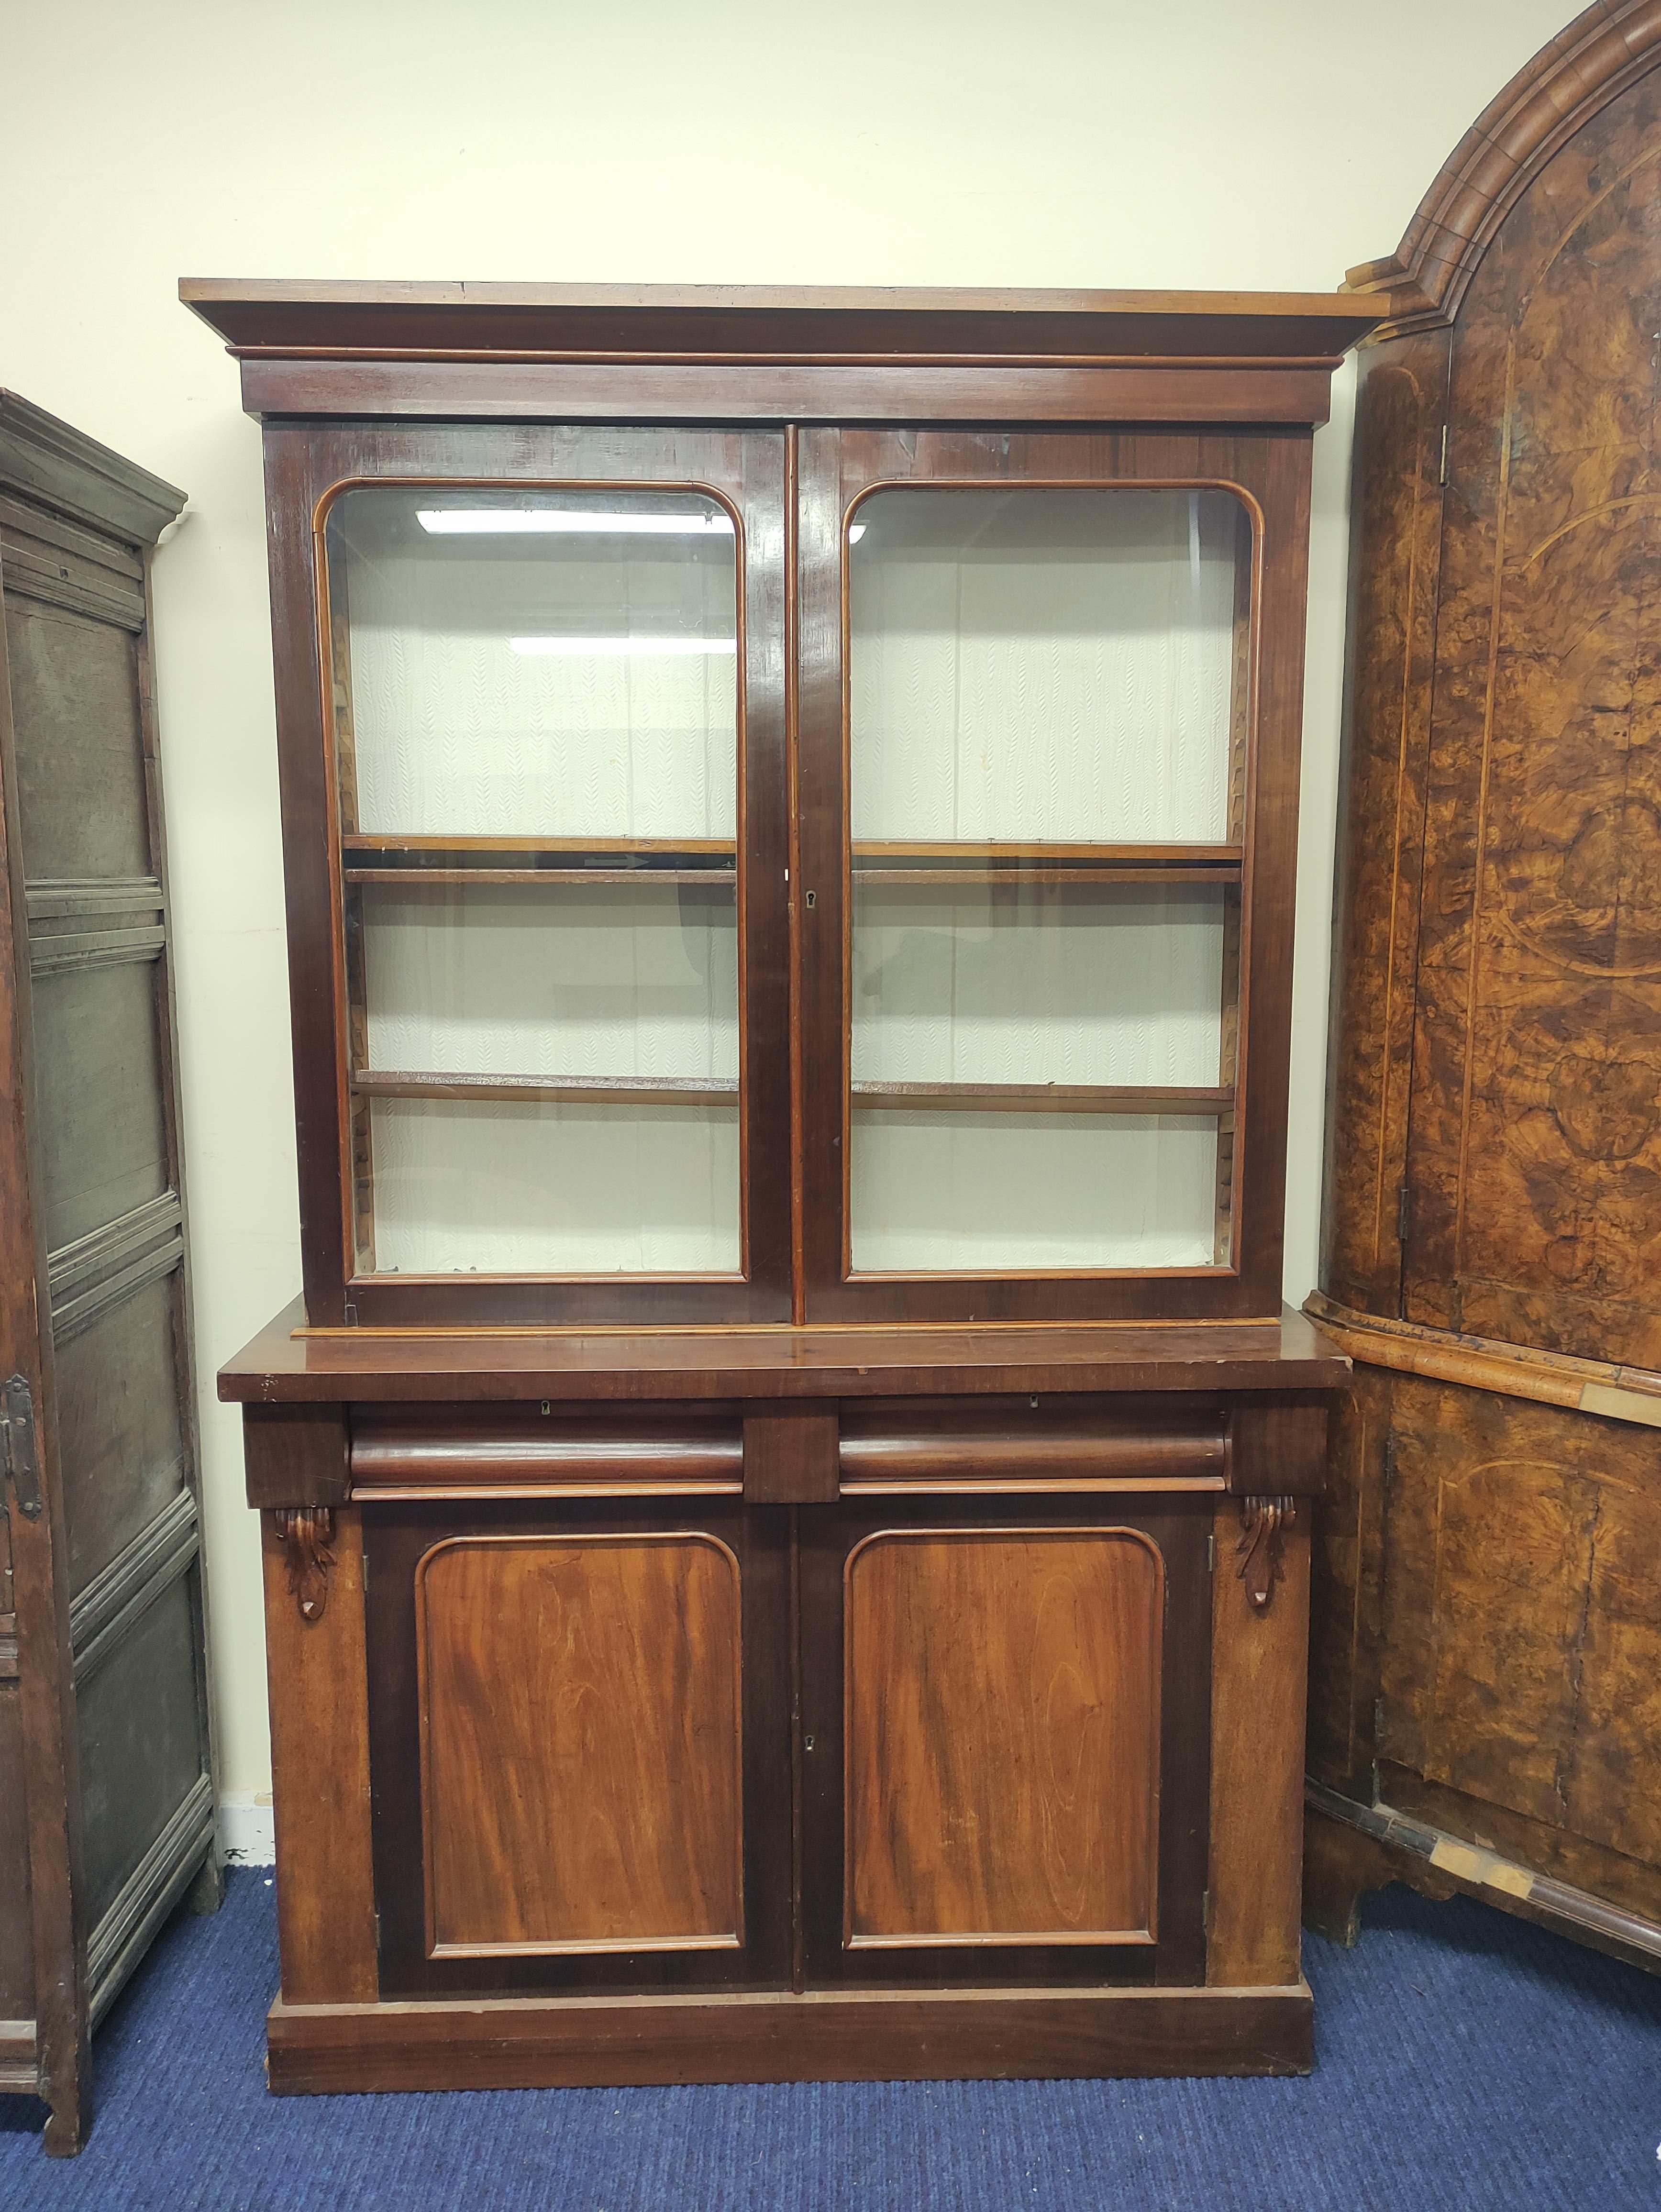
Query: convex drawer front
[580, 1706]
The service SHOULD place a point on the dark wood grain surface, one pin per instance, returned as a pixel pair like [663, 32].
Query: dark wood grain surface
[580, 1743]
[824, 2035]
[288, 1363]
[1002, 1735]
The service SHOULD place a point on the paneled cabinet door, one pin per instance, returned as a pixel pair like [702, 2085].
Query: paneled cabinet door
[581, 1713]
[1005, 1729]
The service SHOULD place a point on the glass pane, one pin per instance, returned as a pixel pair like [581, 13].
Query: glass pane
[553, 665]
[1046, 718]
[935, 1192]
[536, 719]
[1031, 663]
[1026, 982]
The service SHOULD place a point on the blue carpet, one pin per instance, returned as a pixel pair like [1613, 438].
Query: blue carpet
[1464, 2061]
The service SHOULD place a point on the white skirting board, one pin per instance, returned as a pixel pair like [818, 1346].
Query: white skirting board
[248, 1833]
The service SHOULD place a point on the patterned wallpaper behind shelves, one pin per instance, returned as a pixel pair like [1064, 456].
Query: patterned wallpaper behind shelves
[562, 980]
[1041, 665]
[531, 1189]
[1032, 1190]
[1027, 988]
[456, 731]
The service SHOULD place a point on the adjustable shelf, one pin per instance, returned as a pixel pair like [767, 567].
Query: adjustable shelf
[557, 1090]
[1042, 1098]
[885, 862]
[710, 861]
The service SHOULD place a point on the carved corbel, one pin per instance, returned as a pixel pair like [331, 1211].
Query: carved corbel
[1263, 1521]
[306, 1532]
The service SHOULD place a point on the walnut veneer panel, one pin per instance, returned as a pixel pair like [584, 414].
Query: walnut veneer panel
[1002, 1735]
[1537, 1105]
[580, 1741]
[1536, 1689]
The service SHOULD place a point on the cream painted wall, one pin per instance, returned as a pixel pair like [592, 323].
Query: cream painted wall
[909, 142]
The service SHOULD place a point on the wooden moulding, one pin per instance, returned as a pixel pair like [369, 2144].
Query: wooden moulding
[1602, 52]
[1613, 1392]
[1352, 1848]
[736, 353]
[986, 2034]
[316, 1670]
[1258, 1662]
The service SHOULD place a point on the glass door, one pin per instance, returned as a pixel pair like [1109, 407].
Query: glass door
[1043, 703]
[540, 738]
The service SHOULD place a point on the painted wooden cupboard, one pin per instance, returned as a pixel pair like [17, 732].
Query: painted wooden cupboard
[786, 1498]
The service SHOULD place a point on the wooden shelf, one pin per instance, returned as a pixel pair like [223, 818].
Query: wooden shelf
[1110, 877]
[888, 863]
[885, 849]
[724, 880]
[355, 841]
[1039, 1098]
[454, 859]
[559, 1090]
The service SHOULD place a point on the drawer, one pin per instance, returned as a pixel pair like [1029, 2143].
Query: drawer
[544, 1449]
[902, 1446]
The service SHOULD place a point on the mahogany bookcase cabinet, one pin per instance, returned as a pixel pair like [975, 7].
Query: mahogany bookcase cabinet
[786, 1499]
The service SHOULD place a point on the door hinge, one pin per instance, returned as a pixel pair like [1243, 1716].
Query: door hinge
[23, 1462]
[1389, 1464]
[1210, 1552]
[1442, 465]
[1205, 1911]
[377, 1931]
[1403, 1212]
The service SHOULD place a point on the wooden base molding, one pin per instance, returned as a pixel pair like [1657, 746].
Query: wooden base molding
[823, 2036]
[1352, 1848]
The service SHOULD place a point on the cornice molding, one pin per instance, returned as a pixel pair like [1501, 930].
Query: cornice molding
[44, 460]
[1601, 52]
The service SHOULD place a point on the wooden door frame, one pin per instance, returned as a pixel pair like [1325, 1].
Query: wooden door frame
[1270, 469]
[306, 465]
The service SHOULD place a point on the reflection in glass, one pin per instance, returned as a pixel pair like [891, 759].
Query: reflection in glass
[535, 704]
[559, 664]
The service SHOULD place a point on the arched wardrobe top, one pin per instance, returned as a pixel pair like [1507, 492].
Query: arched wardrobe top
[1493, 1163]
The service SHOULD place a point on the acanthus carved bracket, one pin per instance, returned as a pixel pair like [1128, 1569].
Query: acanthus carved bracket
[306, 1532]
[1263, 1523]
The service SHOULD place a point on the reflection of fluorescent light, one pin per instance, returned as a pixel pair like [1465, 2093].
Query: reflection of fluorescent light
[457, 521]
[855, 531]
[581, 648]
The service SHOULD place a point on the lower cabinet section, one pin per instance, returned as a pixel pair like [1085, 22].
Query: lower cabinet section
[626, 1745]
[651, 1780]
